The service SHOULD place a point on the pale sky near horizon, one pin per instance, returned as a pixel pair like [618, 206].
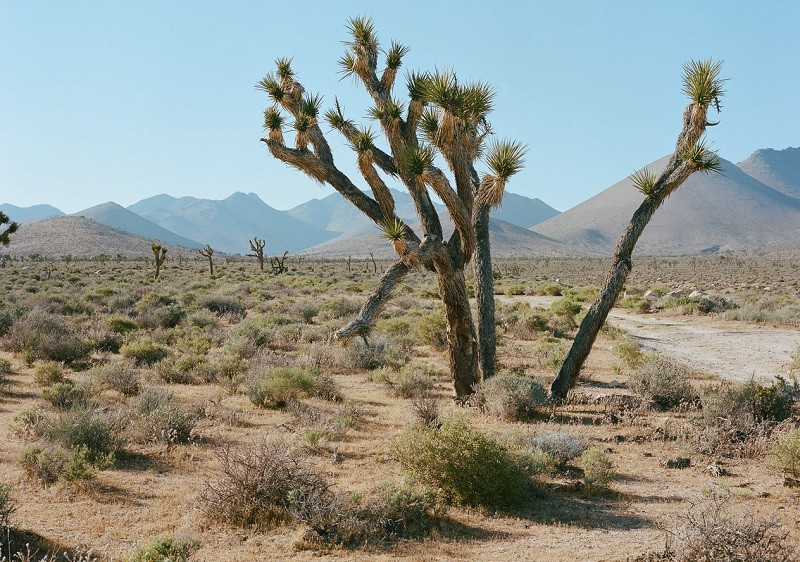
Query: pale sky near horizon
[120, 101]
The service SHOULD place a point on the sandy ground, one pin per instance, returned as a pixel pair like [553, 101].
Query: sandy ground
[731, 350]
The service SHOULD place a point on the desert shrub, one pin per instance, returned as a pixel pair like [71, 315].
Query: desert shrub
[256, 485]
[744, 406]
[181, 369]
[48, 465]
[157, 418]
[165, 548]
[48, 373]
[156, 314]
[7, 506]
[598, 469]
[27, 422]
[636, 303]
[306, 311]
[662, 382]
[548, 289]
[712, 532]
[144, 351]
[561, 446]
[5, 370]
[395, 326]
[431, 329]
[627, 350]
[45, 336]
[510, 396]
[425, 408]
[550, 353]
[514, 290]
[527, 323]
[224, 305]
[786, 454]
[406, 509]
[469, 467]
[83, 426]
[203, 319]
[338, 308]
[65, 395]
[120, 324]
[371, 355]
[562, 315]
[276, 387]
[247, 337]
[120, 376]
[410, 381]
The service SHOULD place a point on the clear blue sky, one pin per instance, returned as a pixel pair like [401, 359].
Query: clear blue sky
[123, 100]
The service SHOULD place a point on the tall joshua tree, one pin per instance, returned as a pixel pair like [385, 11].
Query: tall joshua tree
[257, 247]
[208, 251]
[159, 256]
[8, 230]
[703, 86]
[441, 116]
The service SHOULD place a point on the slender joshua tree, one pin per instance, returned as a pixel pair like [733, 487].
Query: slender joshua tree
[257, 247]
[208, 251]
[441, 116]
[159, 256]
[703, 86]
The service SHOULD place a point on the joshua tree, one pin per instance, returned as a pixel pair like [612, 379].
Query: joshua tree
[8, 230]
[257, 246]
[208, 251]
[703, 86]
[277, 262]
[159, 254]
[441, 116]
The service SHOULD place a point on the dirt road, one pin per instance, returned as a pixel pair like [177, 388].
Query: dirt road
[732, 350]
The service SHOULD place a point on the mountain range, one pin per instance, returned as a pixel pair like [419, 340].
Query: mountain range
[754, 203]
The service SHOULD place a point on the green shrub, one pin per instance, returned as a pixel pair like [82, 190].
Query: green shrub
[786, 454]
[120, 376]
[401, 510]
[64, 395]
[370, 356]
[550, 352]
[5, 370]
[203, 319]
[120, 324]
[627, 350]
[247, 337]
[469, 467]
[562, 447]
[636, 303]
[224, 305]
[598, 470]
[662, 382]
[144, 351]
[43, 335]
[7, 506]
[548, 289]
[514, 290]
[157, 418]
[412, 381]
[83, 426]
[744, 406]
[562, 315]
[431, 329]
[510, 396]
[45, 465]
[276, 387]
[165, 548]
[48, 374]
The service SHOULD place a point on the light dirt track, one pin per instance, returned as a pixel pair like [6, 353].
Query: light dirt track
[734, 351]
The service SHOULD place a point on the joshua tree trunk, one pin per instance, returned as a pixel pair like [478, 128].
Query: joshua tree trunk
[484, 294]
[453, 119]
[703, 85]
[208, 251]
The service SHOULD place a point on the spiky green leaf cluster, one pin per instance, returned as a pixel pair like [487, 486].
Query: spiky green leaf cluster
[701, 81]
[302, 123]
[347, 62]
[311, 105]
[363, 141]
[429, 124]
[273, 120]
[363, 31]
[388, 110]
[10, 229]
[469, 102]
[393, 229]
[506, 158]
[284, 68]
[417, 158]
[702, 157]
[271, 85]
[417, 83]
[645, 181]
[394, 58]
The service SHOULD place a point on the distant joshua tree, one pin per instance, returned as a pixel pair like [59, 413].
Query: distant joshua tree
[159, 255]
[703, 86]
[257, 246]
[441, 116]
[277, 262]
[208, 251]
[10, 229]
